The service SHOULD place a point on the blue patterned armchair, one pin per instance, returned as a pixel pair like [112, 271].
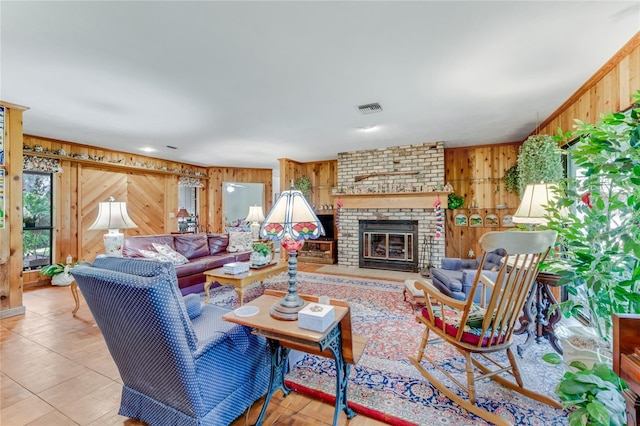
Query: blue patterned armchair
[181, 364]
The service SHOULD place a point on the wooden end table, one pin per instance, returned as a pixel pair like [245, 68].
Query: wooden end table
[336, 342]
[241, 281]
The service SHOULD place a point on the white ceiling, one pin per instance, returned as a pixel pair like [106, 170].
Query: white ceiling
[246, 83]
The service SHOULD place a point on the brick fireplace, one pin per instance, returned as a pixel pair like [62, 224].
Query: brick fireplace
[397, 187]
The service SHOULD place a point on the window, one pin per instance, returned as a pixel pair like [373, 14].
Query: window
[37, 196]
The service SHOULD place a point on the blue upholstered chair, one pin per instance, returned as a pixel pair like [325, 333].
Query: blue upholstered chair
[455, 277]
[181, 364]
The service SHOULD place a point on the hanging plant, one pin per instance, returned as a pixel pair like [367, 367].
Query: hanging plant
[303, 184]
[540, 160]
[511, 179]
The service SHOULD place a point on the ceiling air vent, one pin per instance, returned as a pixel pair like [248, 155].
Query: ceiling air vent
[370, 108]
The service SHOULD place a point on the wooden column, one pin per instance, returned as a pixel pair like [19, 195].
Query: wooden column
[11, 235]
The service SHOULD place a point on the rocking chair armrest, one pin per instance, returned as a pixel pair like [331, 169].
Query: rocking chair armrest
[431, 291]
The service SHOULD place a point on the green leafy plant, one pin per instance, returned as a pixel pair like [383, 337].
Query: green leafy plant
[261, 248]
[454, 201]
[52, 270]
[595, 394]
[511, 179]
[600, 236]
[303, 184]
[539, 160]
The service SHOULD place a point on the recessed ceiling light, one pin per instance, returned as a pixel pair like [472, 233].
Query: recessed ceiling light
[147, 149]
[369, 128]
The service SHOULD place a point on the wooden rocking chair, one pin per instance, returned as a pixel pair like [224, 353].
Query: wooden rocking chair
[487, 328]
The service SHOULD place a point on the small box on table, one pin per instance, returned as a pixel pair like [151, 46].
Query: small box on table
[316, 317]
[235, 268]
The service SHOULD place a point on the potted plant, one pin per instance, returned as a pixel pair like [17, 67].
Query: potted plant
[539, 160]
[595, 393]
[60, 273]
[261, 254]
[454, 201]
[511, 179]
[600, 236]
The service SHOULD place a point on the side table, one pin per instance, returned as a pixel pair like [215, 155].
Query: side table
[535, 320]
[336, 342]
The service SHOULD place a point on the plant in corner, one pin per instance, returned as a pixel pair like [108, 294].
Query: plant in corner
[595, 394]
[600, 235]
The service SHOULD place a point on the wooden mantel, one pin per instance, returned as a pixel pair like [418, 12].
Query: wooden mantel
[393, 200]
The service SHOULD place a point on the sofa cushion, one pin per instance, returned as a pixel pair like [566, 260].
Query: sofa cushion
[154, 255]
[192, 245]
[173, 256]
[240, 241]
[452, 279]
[218, 243]
[133, 244]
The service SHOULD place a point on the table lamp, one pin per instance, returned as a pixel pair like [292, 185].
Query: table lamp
[112, 215]
[182, 215]
[291, 221]
[255, 216]
[532, 208]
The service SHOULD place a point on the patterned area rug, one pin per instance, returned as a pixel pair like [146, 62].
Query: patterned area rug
[385, 385]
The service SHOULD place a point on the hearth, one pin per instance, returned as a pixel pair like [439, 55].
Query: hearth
[389, 244]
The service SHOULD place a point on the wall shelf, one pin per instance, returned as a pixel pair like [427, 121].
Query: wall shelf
[395, 200]
[110, 164]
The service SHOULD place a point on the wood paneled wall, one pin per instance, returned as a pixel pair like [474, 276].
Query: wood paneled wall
[608, 90]
[148, 185]
[322, 174]
[476, 173]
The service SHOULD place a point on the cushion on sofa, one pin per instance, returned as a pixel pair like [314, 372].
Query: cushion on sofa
[192, 245]
[175, 257]
[218, 243]
[240, 241]
[154, 255]
[133, 244]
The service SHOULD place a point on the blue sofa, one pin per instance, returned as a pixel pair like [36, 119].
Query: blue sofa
[180, 362]
[456, 276]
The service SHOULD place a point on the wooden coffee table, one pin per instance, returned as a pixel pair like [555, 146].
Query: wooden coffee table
[241, 281]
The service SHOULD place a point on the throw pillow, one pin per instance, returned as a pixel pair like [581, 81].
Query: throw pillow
[240, 241]
[173, 256]
[150, 254]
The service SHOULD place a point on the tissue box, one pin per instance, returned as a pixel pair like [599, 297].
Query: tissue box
[316, 317]
[235, 268]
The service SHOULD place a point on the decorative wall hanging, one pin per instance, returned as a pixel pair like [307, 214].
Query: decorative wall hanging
[190, 181]
[439, 218]
[507, 220]
[491, 220]
[31, 163]
[1, 136]
[1, 199]
[475, 220]
[461, 220]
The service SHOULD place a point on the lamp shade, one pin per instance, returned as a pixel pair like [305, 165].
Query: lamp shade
[183, 213]
[293, 217]
[112, 214]
[534, 201]
[255, 214]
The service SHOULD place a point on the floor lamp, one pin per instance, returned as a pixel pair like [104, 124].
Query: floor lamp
[113, 216]
[291, 221]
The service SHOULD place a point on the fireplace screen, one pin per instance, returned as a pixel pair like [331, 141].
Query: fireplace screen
[389, 244]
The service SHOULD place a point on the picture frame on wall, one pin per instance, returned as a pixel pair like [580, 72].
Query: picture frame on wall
[461, 220]
[475, 220]
[491, 220]
[507, 221]
[2, 199]
[1, 136]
